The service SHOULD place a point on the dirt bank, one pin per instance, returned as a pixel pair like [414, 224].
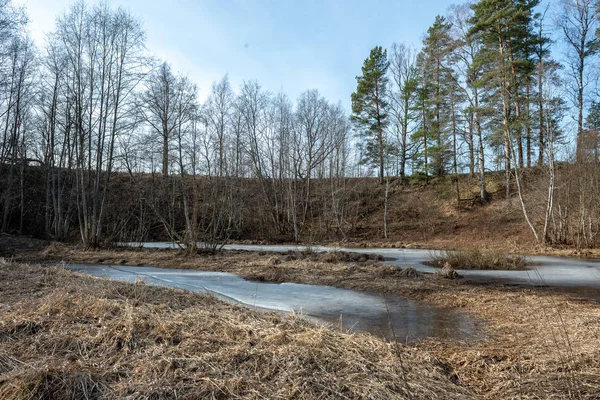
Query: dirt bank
[419, 215]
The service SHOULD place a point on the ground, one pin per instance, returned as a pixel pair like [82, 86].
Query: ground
[536, 343]
[69, 336]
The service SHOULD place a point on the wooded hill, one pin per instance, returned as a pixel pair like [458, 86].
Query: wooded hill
[345, 210]
[126, 151]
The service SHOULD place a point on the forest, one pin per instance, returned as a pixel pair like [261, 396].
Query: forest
[101, 142]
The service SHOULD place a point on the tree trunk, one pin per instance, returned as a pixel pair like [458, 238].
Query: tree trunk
[165, 154]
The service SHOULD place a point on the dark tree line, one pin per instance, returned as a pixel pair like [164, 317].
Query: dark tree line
[485, 92]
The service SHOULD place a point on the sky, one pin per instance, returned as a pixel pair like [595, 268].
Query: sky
[288, 45]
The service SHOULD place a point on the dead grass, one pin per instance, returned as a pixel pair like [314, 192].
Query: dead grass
[68, 336]
[53, 249]
[543, 346]
[540, 344]
[481, 260]
[409, 272]
[330, 257]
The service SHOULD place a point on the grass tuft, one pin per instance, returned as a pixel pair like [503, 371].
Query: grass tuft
[479, 260]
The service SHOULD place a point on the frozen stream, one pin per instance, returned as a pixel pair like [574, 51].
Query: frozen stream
[353, 310]
[544, 271]
[360, 311]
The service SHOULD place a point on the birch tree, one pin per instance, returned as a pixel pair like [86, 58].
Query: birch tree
[104, 51]
[578, 21]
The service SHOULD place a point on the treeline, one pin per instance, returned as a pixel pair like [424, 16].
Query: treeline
[483, 93]
[93, 102]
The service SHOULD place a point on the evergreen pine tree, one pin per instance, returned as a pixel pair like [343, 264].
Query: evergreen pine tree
[370, 108]
[437, 83]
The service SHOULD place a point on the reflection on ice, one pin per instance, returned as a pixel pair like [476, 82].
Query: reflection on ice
[546, 271]
[355, 310]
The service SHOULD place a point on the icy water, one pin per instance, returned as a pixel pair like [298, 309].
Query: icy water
[389, 316]
[574, 273]
[394, 317]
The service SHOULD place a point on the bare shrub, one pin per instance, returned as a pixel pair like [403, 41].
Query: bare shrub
[409, 272]
[481, 260]
[447, 272]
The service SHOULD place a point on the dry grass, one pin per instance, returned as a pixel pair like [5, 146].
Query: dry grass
[329, 257]
[540, 344]
[482, 260]
[327, 268]
[543, 346]
[68, 336]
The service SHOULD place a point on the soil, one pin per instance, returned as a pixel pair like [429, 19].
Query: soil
[540, 343]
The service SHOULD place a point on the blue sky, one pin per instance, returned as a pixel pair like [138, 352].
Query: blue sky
[288, 45]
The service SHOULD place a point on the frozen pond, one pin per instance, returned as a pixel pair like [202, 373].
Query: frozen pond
[352, 310]
[544, 271]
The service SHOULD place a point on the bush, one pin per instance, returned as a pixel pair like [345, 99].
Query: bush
[483, 260]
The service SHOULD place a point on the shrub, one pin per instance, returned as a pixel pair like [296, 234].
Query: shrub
[483, 260]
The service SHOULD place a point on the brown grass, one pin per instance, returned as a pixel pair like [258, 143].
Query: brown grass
[330, 257]
[481, 260]
[53, 249]
[543, 347]
[539, 344]
[68, 336]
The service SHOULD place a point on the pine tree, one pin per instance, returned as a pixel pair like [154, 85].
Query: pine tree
[437, 85]
[370, 108]
[592, 121]
[524, 44]
[472, 107]
[503, 29]
[588, 143]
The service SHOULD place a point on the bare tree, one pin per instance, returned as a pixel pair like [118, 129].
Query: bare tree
[185, 112]
[103, 49]
[19, 87]
[578, 19]
[158, 107]
[253, 104]
[404, 77]
[339, 128]
[218, 109]
[312, 143]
